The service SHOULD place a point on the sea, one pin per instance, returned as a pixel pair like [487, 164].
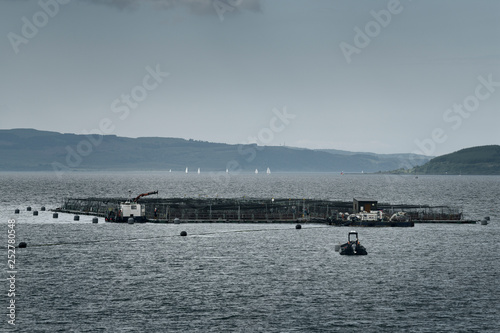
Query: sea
[77, 276]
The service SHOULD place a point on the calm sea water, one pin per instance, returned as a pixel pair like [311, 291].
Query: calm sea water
[84, 277]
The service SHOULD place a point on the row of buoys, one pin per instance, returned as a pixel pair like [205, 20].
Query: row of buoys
[29, 209]
[16, 211]
[55, 215]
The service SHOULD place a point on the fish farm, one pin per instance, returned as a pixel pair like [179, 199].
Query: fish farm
[358, 212]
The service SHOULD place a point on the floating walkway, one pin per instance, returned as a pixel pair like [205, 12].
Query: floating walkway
[265, 210]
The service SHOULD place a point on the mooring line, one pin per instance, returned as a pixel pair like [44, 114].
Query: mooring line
[164, 236]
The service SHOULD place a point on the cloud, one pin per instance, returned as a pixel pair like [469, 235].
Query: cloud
[201, 7]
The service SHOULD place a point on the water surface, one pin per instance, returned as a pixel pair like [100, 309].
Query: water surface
[84, 277]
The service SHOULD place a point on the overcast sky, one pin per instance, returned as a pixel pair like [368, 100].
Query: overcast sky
[378, 76]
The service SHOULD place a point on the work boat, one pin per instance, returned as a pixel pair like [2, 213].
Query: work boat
[352, 247]
[130, 209]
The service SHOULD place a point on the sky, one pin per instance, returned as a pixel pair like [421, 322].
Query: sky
[370, 76]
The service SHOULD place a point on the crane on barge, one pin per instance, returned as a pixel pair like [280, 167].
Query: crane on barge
[130, 209]
[144, 195]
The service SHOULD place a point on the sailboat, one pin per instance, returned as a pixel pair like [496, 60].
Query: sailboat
[199, 171]
[268, 171]
[227, 170]
[186, 169]
[256, 171]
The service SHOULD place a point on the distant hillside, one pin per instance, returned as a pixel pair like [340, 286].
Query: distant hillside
[33, 150]
[483, 160]
[384, 161]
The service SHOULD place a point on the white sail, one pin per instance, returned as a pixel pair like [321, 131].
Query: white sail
[199, 171]
[268, 171]
[186, 170]
[227, 170]
[256, 171]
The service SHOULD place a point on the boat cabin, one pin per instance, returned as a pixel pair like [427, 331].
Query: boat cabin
[132, 209]
[363, 205]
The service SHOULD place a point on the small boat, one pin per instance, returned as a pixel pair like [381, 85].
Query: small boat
[268, 171]
[352, 247]
[199, 171]
[256, 171]
[187, 170]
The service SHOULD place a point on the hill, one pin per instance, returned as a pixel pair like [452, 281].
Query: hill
[33, 150]
[483, 160]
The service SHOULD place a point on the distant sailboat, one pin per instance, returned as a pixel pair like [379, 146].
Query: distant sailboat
[170, 170]
[268, 171]
[227, 170]
[199, 171]
[256, 171]
[186, 170]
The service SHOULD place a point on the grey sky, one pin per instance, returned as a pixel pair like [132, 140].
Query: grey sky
[230, 63]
